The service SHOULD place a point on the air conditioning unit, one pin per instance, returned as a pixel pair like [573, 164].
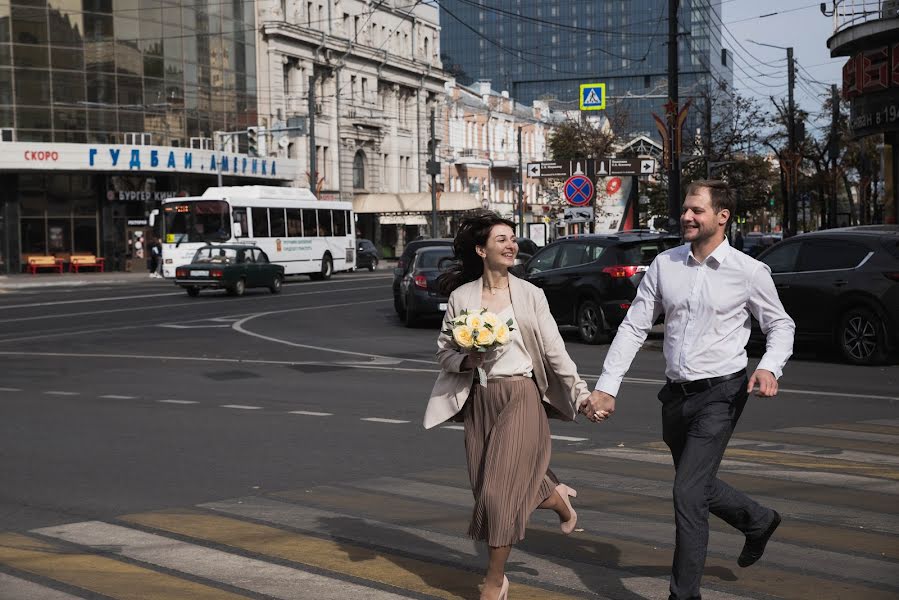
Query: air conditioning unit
[319, 108]
[7, 134]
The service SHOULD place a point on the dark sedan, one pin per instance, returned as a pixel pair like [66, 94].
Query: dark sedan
[231, 267]
[405, 261]
[841, 286]
[419, 297]
[590, 280]
[367, 256]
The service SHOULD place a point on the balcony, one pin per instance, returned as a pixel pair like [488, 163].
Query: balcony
[861, 24]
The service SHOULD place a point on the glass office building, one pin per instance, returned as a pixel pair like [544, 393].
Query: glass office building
[108, 106]
[544, 49]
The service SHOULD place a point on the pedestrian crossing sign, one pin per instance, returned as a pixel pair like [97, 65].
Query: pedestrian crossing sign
[593, 96]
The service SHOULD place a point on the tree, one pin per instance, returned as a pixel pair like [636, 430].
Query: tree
[588, 139]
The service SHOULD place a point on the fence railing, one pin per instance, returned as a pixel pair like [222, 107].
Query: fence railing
[847, 13]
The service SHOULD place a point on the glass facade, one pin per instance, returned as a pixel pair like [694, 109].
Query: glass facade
[126, 71]
[544, 49]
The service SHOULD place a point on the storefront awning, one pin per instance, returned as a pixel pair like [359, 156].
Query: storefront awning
[414, 202]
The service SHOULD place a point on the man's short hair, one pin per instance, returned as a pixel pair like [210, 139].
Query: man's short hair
[722, 195]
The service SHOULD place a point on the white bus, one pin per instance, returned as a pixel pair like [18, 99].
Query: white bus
[305, 235]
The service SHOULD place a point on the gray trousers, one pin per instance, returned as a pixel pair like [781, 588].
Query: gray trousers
[697, 428]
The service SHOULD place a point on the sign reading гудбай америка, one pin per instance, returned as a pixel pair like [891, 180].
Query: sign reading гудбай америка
[107, 157]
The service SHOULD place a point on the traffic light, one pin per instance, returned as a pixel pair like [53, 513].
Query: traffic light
[771, 202]
[253, 141]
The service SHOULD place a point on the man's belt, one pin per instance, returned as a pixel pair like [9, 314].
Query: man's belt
[687, 388]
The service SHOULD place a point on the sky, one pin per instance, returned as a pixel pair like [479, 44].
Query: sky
[798, 23]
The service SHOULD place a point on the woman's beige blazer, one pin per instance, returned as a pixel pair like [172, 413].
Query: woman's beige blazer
[555, 373]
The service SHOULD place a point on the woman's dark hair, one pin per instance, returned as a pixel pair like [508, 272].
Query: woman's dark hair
[468, 266]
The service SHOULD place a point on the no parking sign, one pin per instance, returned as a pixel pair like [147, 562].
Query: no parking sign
[578, 190]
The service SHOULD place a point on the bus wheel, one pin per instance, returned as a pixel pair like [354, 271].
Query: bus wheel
[327, 269]
[239, 287]
[193, 291]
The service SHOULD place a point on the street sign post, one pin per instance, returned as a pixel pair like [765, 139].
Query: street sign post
[593, 96]
[549, 168]
[608, 167]
[578, 214]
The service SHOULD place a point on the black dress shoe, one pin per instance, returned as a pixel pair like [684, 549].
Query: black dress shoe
[755, 547]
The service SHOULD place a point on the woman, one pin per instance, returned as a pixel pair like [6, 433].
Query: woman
[507, 439]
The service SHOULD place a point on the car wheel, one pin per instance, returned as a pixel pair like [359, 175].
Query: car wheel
[373, 266]
[275, 287]
[590, 322]
[239, 287]
[327, 269]
[193, 291]
[862, 337]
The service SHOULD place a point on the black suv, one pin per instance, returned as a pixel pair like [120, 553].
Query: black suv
[405, 261]
[841, 286]
[590, 280]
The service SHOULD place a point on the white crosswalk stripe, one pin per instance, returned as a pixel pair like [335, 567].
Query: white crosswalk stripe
[13, 588]
[246, 573]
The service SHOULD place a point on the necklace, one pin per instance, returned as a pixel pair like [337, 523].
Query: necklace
[494, 288]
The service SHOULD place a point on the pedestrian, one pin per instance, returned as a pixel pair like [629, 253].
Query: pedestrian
[707, 291]
[738, 240]
[155, 259]
[507, 437]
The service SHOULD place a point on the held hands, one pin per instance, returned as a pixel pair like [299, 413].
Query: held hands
[598, 407]
[766, 381]
[473, 360]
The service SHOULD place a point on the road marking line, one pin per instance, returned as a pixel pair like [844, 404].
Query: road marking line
[115, 397]
[265, 578]
[844, 434]
[456, 427]
[425, 577]
[565, 438]
[61, 393]
[193, 303]
[813, 451]
[99, 574]
[13, 587]
[5, 389]
[380, 420]
[117, 298]
[179, 401]
[310, 413]
[241, 407]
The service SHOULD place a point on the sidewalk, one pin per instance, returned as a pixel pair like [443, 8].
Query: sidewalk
[23, 281]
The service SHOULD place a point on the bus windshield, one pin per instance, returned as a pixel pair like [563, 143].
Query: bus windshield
[197, 221]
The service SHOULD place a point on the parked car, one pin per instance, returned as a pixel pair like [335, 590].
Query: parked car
[590, 280]
[841, 286]
[367, 256]
[754, 243]
[233, 267]
[405, 261]
[418, 289]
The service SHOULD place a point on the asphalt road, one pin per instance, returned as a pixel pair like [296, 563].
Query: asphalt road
[270, 446]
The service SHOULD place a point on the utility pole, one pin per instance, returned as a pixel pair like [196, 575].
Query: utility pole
[433, 170]
[313, 172]
[521, 230]
[708, 134]
[792, 163]
[674, 199]
[834, 153]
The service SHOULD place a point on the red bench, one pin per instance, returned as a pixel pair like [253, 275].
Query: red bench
[79, 261]
[44, 262]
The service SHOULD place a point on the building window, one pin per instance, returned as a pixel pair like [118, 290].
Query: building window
[359, 170]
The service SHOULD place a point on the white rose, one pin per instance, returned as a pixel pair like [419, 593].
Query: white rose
[464, 336]
[485, 337]
[502, 334]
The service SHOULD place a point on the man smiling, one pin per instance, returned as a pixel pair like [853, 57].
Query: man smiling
[708, 292]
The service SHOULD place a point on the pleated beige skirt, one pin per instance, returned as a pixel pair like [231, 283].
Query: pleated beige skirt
[508, 449]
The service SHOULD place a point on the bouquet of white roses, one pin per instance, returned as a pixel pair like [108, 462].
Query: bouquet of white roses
[479, 331]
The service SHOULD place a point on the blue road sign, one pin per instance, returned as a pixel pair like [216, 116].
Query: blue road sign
[578, 190]
[593, 96]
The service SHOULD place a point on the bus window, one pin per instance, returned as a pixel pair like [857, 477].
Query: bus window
[324, 222]
[310, 225]
[260, 222]
[278, 226]
[294, 222]
[339, 222]
[240, 216]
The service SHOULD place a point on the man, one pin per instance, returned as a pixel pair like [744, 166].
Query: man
[707, 291]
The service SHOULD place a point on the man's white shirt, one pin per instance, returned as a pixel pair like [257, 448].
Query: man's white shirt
[708, 307]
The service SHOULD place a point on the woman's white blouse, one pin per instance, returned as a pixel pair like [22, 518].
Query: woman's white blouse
[511, 359]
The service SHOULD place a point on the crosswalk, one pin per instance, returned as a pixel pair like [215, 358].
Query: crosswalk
[392, 538]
